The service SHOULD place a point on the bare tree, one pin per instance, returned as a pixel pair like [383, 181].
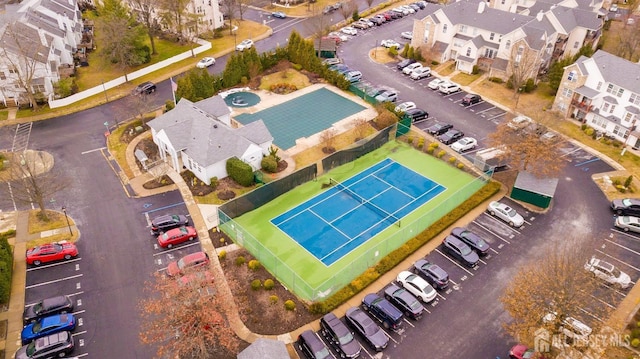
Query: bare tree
[369, 3]
[328, 140]
[229, 9]
[33, 180]
[135, 106]
[347, 8]
[145, 9]
[546, 293]
[525, 149]
[319, 26]
[523, 65]
[173, 14]
[242, 6]
[24, 54]
[360, 128]
[182, 316]
[629, 41]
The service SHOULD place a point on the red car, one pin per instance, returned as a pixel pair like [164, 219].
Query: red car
[193, 260]
[51, 252]
[520, 351]
[176, 236]
[200, 279]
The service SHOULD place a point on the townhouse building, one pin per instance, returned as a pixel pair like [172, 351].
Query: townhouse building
[603, 91]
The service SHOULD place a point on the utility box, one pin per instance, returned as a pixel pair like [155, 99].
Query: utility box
[487, 160]
[536, 191]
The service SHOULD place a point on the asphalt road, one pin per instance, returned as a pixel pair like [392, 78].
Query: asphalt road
[118, 254]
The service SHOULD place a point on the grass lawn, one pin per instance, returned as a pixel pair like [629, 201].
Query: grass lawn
[381, 55]
[118, 149]
[57, 220]
[446, 68]
[465, 79]
[4, 114]
[289, 76]
[612, 38]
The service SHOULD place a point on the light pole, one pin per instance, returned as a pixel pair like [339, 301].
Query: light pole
[64, 210]
[106, 99]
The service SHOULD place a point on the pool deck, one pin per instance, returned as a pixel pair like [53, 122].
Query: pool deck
[269, 99]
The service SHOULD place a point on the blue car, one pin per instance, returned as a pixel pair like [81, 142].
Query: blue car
[47, 326]
[279, 15]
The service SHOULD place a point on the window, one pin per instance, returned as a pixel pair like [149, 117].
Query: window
[599, 86]
[572, 76]
[605, 107]
[562, 106]
[491, 36]
[621, 131]
[634, 99]
[599, 121]
[468, 51]
[38, 88]
[463, 28]
[519, 54]
[502, 2]
[628, 117]
[567, 92]
[2, 75]
[507, 45]
[615, 90]
[444, 28]
[13, 70]
[576, 45]
[613, 108]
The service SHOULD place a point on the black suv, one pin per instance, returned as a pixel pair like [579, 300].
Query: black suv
[450, 136]
[404, 63]
[339, 336]
[145, 88]
[439, 128]
[50, 306]
[432, 273]
[383, 310]
[312, 346]
[417, 114]
[54, 345]
[164, 223]
[404, 301]
[626, 206]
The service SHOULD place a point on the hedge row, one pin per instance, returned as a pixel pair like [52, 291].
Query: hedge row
[240, 171]
[6, 266]
[396, 257]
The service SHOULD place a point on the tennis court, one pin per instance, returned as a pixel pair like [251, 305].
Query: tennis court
[303, 116]
[340, 219]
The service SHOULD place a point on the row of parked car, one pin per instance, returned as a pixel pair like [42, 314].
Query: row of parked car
[406, 296]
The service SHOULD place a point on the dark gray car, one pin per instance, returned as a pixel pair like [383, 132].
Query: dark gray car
[432, 273]
[50, 306]
[404, 301]
[472, 240]
[339, 336]
[370, 331]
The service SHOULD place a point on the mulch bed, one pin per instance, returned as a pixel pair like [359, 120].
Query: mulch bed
[256, 311]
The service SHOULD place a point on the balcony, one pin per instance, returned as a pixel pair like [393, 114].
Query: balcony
[583, 105]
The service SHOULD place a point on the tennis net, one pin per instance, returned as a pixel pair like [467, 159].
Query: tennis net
[365, 202]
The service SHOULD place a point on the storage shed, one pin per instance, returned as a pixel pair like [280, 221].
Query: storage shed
[536, 191]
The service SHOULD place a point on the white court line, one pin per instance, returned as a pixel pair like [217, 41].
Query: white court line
[623, 247]
[614, 258]
[454, 262]
[54, 281]
[176, 248]
[94, 150]
[53, 265]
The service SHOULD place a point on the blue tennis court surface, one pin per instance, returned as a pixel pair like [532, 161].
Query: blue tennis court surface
[337, 221]
[303, 116]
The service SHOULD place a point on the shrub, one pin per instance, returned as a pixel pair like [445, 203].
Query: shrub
[6, 266]
[297, 67]
[476, 70]
[635, 333]
[421, 142]
[269, 164]
[496, 80]
[256, 284]
[460, 166]
[441, 153]
[430, 150]
[589, 131]
[254, 264]
[635, 342]
[240, 171]
[628, 181]
[169, 105]
[289, 305]
[434, 63]
[273, 299]
[269, 284]
[393, 52]
[434, 145]
[222, 255]
[410, 139]
[583, 127]
[452, 160]
[529, 86]
[240, 261]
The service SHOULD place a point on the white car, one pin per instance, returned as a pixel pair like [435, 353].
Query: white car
[409, 69]
[448, 87]
[405, 106]
[390, 43]
[244, 45]
[505, 213]
[205, 62]
[607, 272]
[464, 144]
[349, 30]
[570, 326]
[387, 96]
[435, 83]
[407, 35]
[338, 35]
[519, 122]
[420, 73]
[417, 286]
[628, 223]
[407, 8]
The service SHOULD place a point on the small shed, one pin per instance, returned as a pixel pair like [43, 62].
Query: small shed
[536, 191]
[265, 349]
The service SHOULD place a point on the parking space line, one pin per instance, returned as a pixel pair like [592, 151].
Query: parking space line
[626, 234]
[406, 320]
[571, 152]
[54, 281]
[78, 312]
[165, 207]
[454, 262]
[614, 258]
[176, 248]
[623, 247]
[483, 111]
[483, 262]
[496, 116]
[365, 349]
[591, 314]
[454, 283]
[493, 250]
[488, 230]
[54, 264]
[503, 223]
[390, 337]
[441, 296]
[79, 333]
[603, 302]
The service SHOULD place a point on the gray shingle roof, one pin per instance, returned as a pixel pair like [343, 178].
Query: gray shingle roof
[535, 37]
[204, 138]
[29, 39]
[617, 71]
[214, 106]
[571, 18]
[610, 99]
[529, 182]
[633, 109]
[498, 21]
